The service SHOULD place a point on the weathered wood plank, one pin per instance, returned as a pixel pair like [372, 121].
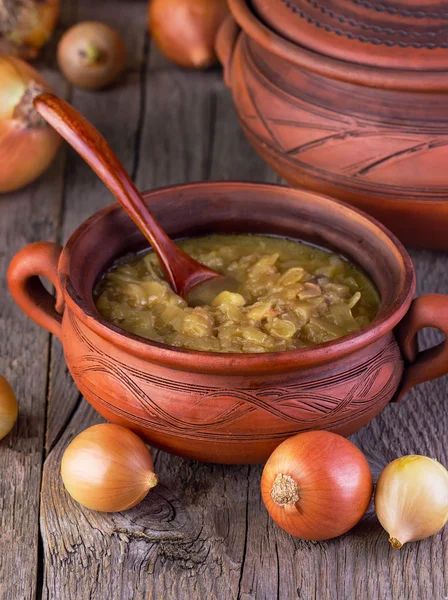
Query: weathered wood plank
[231, 156]
[204, 533]
[192, 545]
[174, 145]
[116, 113]
[173, 545]
[26, 216]
[362, 564]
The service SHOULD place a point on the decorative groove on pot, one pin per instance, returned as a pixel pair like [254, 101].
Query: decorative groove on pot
[366, 27]
[404, 12]
[363, 33]
[350, 151]
[218, 413]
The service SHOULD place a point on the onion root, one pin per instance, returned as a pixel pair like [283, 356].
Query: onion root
[285, 490]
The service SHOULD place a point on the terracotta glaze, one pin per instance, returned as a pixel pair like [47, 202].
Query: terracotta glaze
[233, 408]
[356, 110]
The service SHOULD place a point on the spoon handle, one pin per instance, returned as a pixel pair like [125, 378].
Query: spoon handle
[180, 270]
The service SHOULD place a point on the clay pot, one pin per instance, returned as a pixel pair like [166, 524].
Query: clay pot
[349, 100]
[233, 408]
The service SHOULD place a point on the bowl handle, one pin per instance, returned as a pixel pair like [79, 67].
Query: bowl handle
[39, 259]
[426, 311]
[225, 44]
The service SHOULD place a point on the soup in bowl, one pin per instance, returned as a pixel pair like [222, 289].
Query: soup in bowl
[289, 295]
[235, 399]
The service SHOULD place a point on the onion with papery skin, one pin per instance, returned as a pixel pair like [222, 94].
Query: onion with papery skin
[316, 485]
[26, 25]
[185, 30]
[91, 55]
[108, 468]
[411, 499]
[8, 408]
[27, 144]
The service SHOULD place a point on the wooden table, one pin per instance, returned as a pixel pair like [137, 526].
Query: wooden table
[203, 533]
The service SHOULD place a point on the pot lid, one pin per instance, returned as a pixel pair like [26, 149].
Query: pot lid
[405, 34]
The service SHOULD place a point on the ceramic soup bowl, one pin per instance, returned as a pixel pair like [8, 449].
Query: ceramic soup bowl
[369, 132]
[233, 408]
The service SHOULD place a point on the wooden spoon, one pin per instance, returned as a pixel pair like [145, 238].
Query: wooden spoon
[191, 280]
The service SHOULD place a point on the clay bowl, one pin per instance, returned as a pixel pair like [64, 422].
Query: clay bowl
[374, 137]
[233, 408]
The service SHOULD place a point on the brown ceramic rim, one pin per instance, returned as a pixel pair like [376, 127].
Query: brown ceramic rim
[330, 67]
[189, 360]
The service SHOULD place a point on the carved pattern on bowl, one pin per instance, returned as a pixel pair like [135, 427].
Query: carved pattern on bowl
[429, 40]
[341, 148]
[201, 412]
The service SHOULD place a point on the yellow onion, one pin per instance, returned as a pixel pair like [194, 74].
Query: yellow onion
[27, 144]
[108, 468]
[185, 30]
[91, 55]
[8, 408]
[26, 25]
[316, 485]
[411, 499]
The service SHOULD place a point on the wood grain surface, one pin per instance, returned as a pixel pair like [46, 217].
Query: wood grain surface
[203, 533]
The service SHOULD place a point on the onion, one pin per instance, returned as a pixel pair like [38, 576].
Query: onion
[91, 55]
[26, 25]
[185, 30]
[8, 408]
[316, 485]
[411, 499]
[108, 468]
[27, 144]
